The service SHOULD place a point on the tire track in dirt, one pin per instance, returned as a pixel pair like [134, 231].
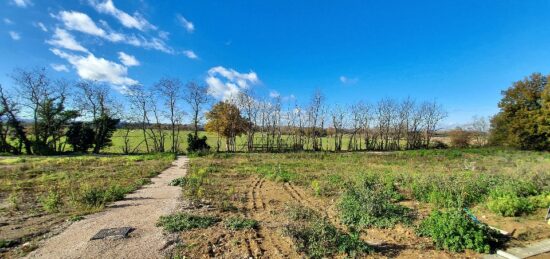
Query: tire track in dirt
[267, 242]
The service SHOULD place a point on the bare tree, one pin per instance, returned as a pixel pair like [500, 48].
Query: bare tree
[480, 130]
[171, 90]
[9, 112]
[315, 114]
[196, 96]
[433, 115]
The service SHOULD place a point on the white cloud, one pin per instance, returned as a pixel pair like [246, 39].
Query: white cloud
[64, 39]
[190, 54]
[128, 60]
[59, 67]
[22, 3]
[81, 22]
[189, 26]
[91, 67]
[164, 35]
[224, 83]
[346, 80]
[274, 94]
[135, 21]
[7, 21]
[42, 26]
[15, 35]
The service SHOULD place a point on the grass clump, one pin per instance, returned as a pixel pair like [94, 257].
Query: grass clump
[183, 221]
[97, 197]
[370, 204]
[238, 223]
[454, 230]
[51, 202]
[178, 182]
[318, 238]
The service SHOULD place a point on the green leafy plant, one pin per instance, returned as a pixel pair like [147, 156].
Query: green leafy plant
[370, 204]
[238, 223]
[183, 221]
[178, 182]
[51, 202]
[320, 239]
[454, 230]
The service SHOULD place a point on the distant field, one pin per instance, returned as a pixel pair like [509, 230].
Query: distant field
[136, 141]
[39, 193]
[509, 190]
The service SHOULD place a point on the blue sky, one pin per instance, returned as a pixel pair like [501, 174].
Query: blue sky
[461, 53]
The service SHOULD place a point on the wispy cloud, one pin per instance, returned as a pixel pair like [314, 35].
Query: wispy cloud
[42, 26]
[128, 60]
[63, 39]
[274, 94]
[7, 21]
[59, 67]
[225, 83]
[135, 21]
[22, 3]
[14, 35]
[350, 81]
[81, 22]
[91, 67]
[190, 54]
[189, 26]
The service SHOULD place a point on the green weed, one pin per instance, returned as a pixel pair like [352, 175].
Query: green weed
[183, 221]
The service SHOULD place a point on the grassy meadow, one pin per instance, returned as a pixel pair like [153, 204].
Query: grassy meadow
[39, 193]
[384, 204]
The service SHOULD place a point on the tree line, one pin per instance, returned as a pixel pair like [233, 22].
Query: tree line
[41, 115]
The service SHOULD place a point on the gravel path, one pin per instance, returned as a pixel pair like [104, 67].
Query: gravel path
[139, 210]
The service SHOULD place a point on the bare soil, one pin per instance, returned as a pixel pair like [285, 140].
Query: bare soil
[139, 210]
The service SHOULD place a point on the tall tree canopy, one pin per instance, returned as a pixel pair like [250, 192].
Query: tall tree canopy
[523, 121]
[226, 120]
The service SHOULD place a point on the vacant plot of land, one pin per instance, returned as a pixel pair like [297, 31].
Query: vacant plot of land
[333, 204]
[38, 194]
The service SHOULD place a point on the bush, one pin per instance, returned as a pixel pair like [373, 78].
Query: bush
[460, 138]
[510, 205]
[514, 198]
[238, 223]
[80, 136]
[183, 221]
[51, 202]
[455, 231]
[196, 144]
[371, 205]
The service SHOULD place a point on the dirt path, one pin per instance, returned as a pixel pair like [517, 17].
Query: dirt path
[139, 210]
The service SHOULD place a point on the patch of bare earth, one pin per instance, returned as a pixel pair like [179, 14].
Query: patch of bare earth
[139, 210]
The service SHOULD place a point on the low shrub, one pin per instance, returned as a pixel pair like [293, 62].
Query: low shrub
[51, 202]
[296, 212]
[196, 144]
[92, 197]
[320, 239]
[454, 230]
[238, 223]
[97, 196]
[510, 205]
[183, 221]
[370, 204]
[514, 198]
